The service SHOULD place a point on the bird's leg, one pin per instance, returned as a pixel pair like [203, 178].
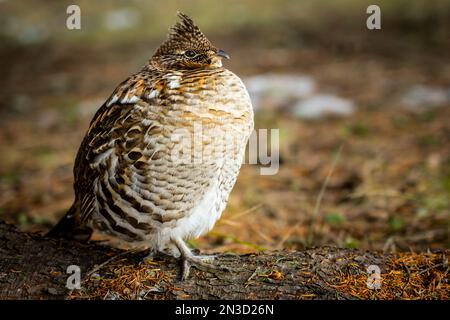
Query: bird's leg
[188, 259]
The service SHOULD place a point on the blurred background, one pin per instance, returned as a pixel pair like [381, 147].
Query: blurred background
[364, 115]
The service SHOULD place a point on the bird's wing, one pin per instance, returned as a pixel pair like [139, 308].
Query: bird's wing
[109, 131]
[125, 169]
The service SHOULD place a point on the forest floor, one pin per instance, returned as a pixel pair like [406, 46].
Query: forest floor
[377, 179]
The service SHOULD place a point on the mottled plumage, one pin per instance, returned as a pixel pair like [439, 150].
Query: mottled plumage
[162, 154]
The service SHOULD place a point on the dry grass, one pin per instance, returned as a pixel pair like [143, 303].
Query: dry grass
[127, 282]
[407, 276]
[421, 276]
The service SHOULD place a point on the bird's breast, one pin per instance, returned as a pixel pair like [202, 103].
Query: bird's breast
[217, 96]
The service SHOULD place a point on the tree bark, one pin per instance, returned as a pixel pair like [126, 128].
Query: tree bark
[35, 267]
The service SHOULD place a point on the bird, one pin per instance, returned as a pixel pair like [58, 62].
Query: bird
[162, 154]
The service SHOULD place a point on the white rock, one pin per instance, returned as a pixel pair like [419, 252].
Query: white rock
[421, 98]
[323, 105]
[278, 90]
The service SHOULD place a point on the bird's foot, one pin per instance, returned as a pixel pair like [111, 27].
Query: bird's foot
[203, 263]
[189, 260]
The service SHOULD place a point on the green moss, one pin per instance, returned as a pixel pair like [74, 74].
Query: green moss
[334, 218]
[396, 223]
[352, 243]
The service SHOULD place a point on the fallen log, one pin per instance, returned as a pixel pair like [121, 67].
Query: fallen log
[35, 267]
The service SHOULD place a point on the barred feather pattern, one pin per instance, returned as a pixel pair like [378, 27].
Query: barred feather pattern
[162, 154]
[129, 179]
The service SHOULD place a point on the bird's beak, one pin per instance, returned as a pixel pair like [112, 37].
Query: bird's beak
[222, 54]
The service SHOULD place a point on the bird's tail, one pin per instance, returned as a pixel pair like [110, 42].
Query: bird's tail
[68, 227]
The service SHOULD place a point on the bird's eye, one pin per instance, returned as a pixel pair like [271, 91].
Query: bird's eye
[190, 53]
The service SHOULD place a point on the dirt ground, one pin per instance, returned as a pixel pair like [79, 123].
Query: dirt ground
[378, 179]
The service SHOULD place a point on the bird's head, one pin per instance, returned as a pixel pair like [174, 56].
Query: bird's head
[187, 48]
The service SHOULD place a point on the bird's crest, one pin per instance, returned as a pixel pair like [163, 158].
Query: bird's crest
[184, 34]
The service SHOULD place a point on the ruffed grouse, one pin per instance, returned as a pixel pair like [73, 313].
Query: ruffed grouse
[162, 154]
